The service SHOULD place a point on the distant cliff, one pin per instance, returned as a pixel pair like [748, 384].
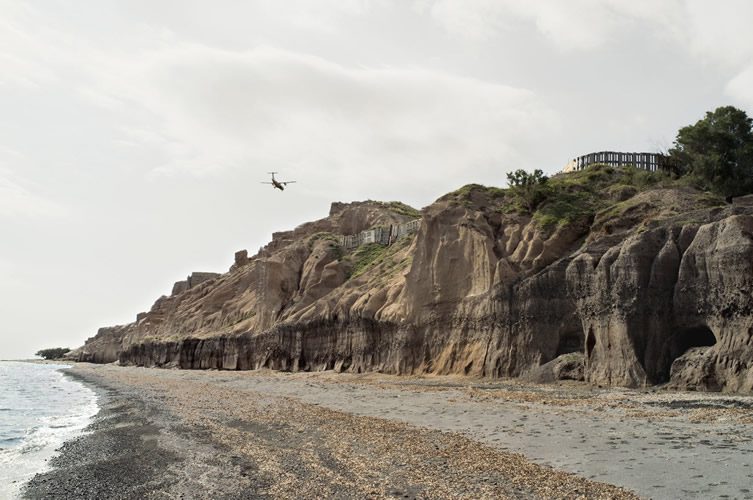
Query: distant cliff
[619, 279]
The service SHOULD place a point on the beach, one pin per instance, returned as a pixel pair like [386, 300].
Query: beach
[263, 434]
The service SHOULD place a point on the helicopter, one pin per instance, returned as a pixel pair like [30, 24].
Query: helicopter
[277, 184]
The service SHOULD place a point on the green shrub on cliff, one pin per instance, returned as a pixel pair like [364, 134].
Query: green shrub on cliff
[530, 189]
[53, 353]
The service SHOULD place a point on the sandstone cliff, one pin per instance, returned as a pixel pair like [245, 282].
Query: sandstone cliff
[612, 281]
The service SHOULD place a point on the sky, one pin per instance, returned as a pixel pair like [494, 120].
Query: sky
[134, 134]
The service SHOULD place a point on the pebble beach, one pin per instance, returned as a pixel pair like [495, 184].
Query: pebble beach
[262, 434]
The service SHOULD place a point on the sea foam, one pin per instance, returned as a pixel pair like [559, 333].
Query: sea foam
[40, 409]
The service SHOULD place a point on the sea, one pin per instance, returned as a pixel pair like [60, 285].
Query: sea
[40, 408]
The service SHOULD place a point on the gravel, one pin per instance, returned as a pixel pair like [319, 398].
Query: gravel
[190, 434]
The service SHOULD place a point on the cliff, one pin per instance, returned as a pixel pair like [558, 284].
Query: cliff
[617, 279]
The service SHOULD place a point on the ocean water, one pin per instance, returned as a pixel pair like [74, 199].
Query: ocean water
[40, 408]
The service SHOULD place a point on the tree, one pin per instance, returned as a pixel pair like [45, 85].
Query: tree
[53, 353]
[717, 152]
[531, 189]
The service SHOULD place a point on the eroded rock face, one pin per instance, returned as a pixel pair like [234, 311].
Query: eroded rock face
[105, 347]
[657, 292]
[713, 304]
[647, 300]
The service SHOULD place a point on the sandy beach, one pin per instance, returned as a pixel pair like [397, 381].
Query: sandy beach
[263, 434]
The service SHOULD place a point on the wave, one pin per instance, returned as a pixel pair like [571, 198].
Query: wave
[23, 457]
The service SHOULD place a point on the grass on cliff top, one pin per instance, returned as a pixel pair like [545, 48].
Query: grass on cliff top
[401, 208]
[572, 198]
[577, 197]
[474, 193]
[466, 191]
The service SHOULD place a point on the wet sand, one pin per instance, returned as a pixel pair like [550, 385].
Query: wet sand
[191, 434]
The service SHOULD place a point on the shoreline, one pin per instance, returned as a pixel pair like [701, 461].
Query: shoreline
[98, 462]
[135, 449]
[42, 409]
[173, 434]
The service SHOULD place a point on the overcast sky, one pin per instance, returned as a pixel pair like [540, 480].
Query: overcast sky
[134, 133]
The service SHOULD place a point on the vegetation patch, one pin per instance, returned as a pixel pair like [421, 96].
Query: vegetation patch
[621, 192]
[364, 256]
[493, 197]
[372, 255]
[565, 208]
[716, 153]
[576, 197]
[401, 208]
[617, 209]
[323, 235]
[53, 353]
[564, 199]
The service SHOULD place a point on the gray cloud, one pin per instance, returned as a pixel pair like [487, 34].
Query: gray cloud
[355, 126]
[716, 30]
[16, 198]
[741, 87]
[572, 25]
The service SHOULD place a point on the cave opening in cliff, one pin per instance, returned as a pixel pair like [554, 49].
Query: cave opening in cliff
[590, 343]
[572, 341]
[685, 339]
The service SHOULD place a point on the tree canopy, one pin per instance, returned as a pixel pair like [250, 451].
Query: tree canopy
[52, 353]
[529, 188]
[717, 151]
